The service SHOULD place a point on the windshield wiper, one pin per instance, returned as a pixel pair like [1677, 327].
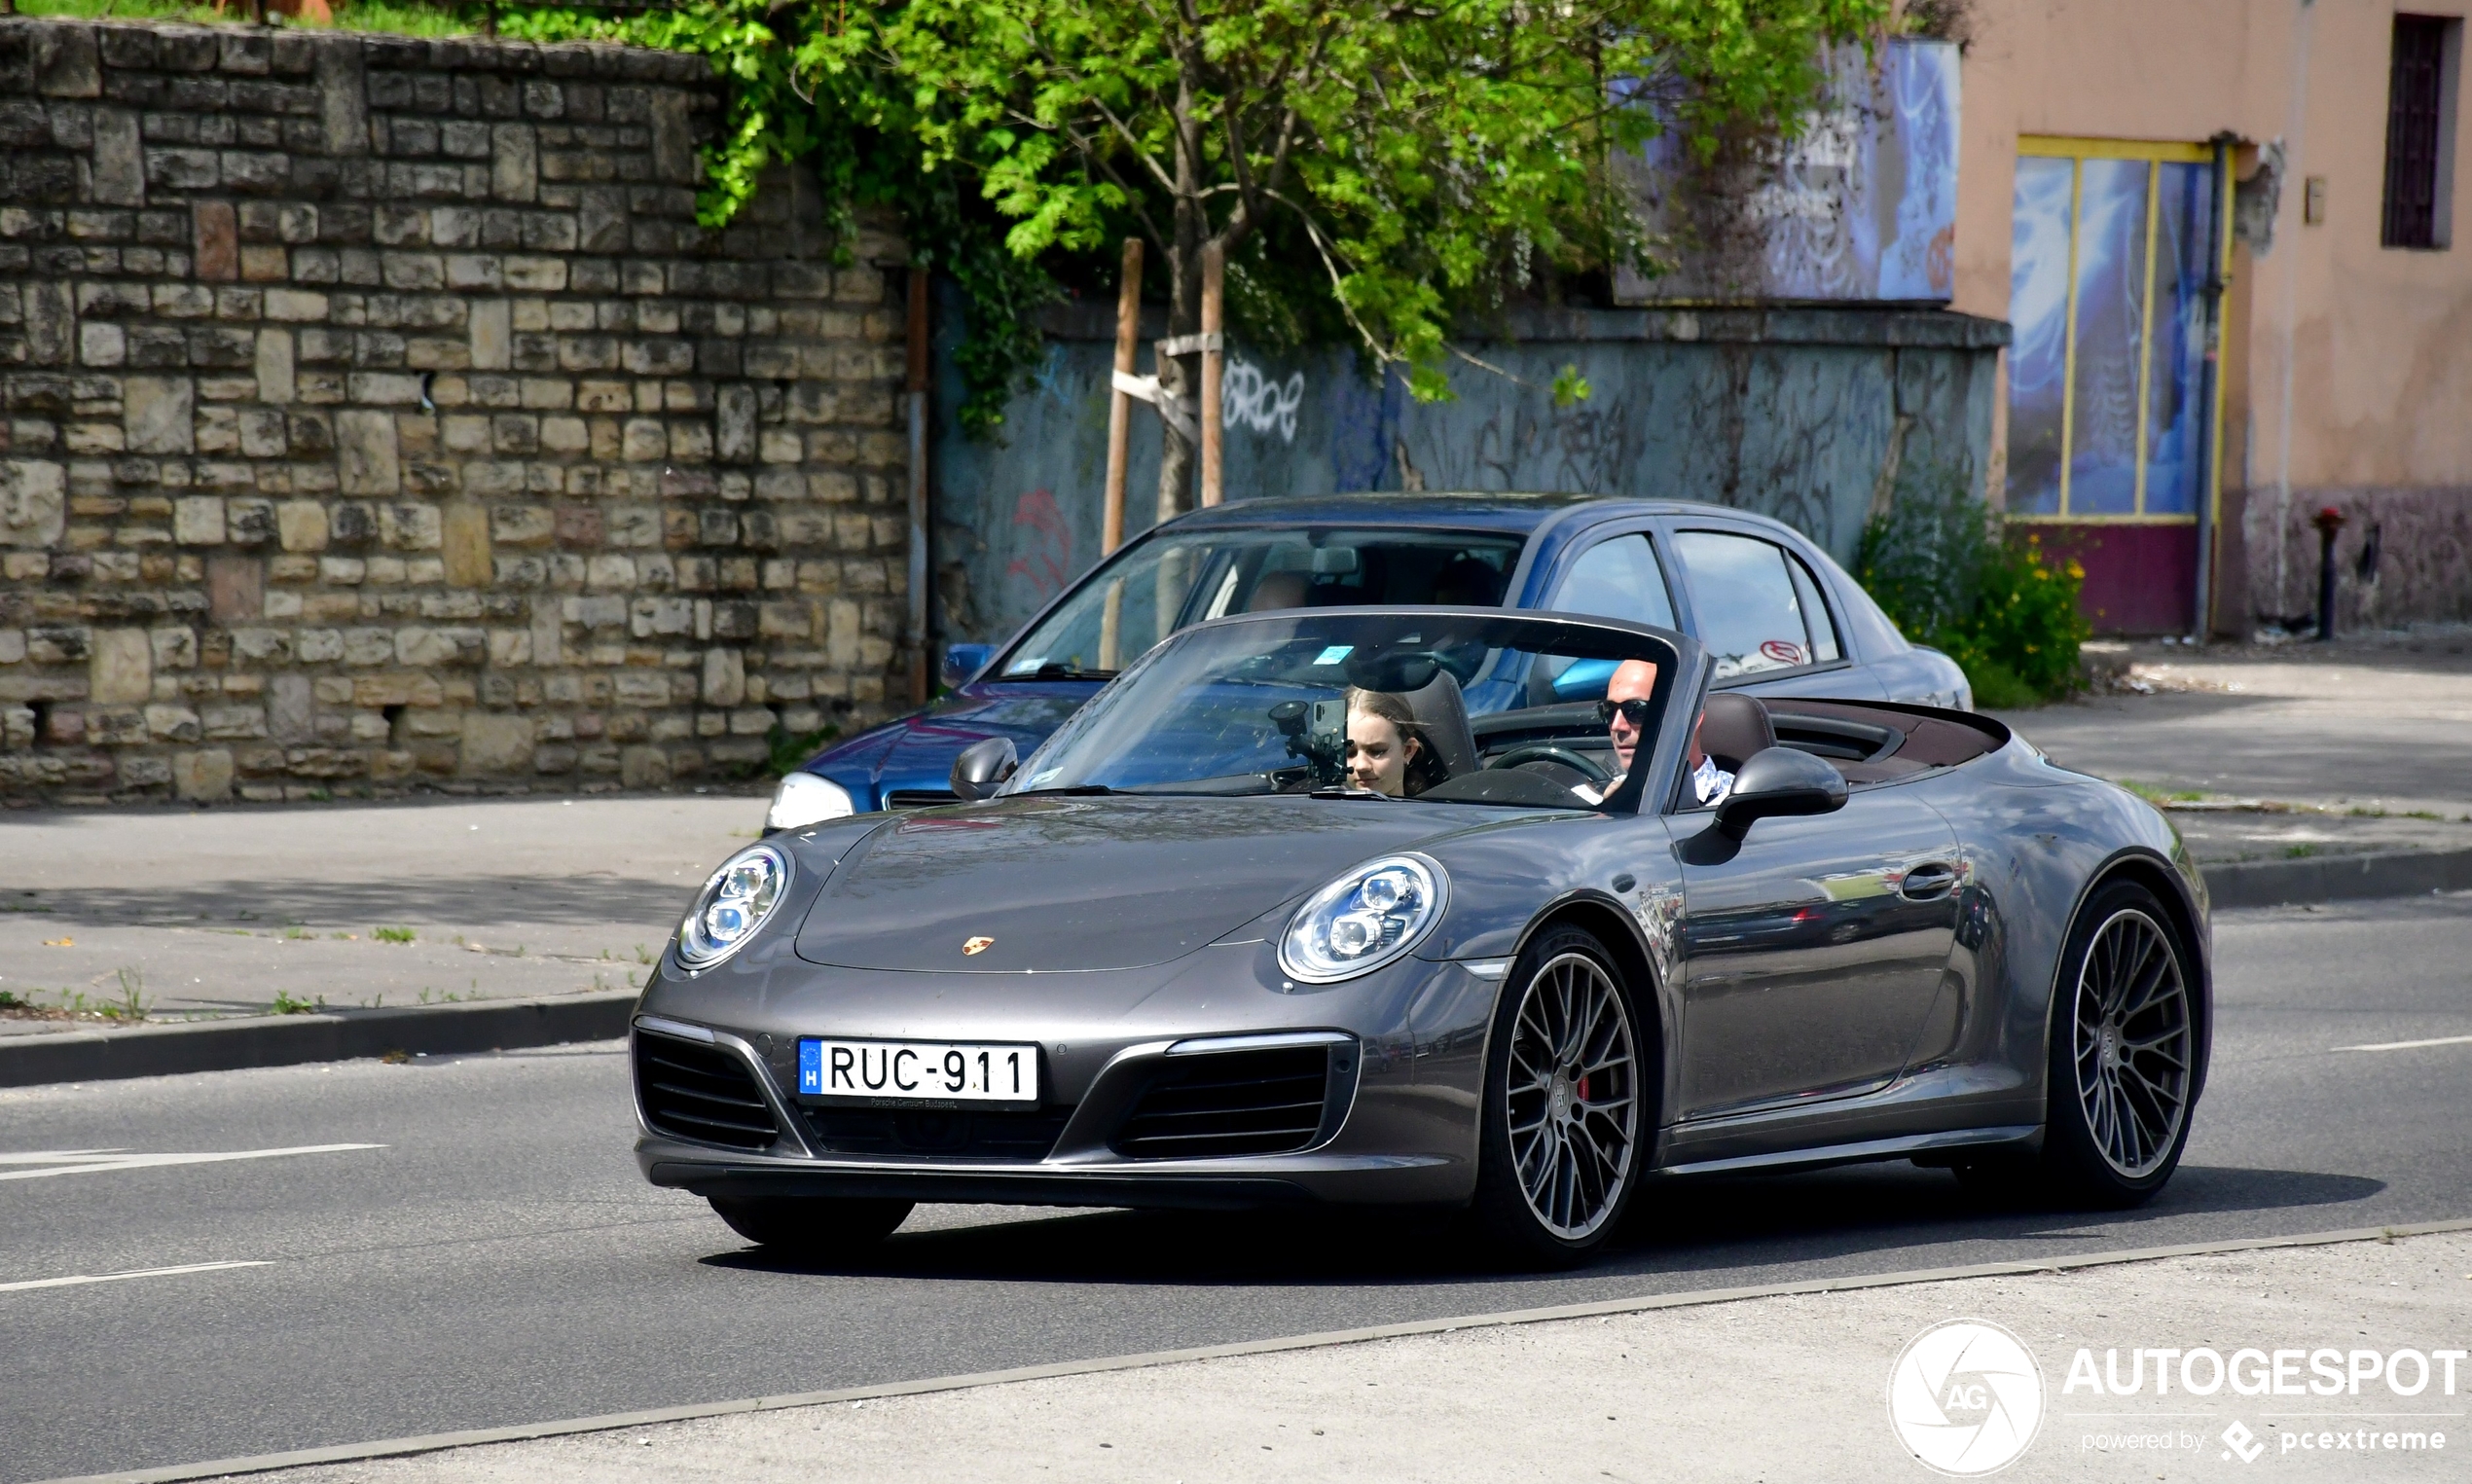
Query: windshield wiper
[1337, 792]
[1055, 669]
[1065, 790]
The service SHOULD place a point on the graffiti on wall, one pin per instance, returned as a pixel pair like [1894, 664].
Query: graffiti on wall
[1042, 544]
[1862, 205]
[1800, 428]
[1249, 398]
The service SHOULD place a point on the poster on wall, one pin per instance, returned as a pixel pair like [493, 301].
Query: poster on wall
[1861, 206]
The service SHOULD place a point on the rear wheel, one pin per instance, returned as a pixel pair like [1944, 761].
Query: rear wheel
[1565, 1105]
[2122, 1053]
[811, 1226]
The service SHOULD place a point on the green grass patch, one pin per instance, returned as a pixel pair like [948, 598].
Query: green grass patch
[2157, 795]
[392, 934]
[392, 16]
[2301, 851]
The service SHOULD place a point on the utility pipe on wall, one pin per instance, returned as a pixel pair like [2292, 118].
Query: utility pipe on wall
[2209, 389]
[918, 408]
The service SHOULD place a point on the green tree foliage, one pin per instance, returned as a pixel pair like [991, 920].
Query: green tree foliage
[1940, 564]
[1414, 148]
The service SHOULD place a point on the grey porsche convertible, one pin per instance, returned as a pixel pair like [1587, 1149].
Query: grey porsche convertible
[1450, 907]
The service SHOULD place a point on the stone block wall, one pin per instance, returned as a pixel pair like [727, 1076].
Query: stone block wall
[376, 416]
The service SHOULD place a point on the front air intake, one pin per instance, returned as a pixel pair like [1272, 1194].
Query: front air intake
[933, 1133]
[1268, 1102]
[920, 798]
[688, 1090]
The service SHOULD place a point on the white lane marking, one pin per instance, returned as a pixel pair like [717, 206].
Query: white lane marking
[2441, 1041]
[87, 1163]
[86, 1278]
[56, 1156]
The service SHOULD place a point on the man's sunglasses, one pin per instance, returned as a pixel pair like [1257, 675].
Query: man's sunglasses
[1635, 711]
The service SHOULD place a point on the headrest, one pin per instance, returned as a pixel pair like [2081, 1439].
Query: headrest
[1732, 727]
[1442, 712]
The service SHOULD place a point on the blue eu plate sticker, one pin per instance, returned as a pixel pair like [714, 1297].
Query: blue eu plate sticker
[811, 1066]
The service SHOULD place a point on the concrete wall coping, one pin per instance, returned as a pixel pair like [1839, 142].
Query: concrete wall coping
[1884, 326]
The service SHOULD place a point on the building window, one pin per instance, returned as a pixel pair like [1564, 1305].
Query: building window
[2419, 131]
[2106, 299]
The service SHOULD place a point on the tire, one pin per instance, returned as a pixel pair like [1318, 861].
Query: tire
[2123, 1054]
[1559, 1155]
[813, 1227]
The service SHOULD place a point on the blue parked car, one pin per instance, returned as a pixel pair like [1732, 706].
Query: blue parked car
[1781, 618]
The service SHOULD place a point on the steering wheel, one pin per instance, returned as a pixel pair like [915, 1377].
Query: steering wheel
[1547, 752]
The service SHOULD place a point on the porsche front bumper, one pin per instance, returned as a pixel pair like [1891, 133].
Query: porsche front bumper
[1401, 1054]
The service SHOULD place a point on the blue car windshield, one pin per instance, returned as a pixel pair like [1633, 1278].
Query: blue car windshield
[1440, 705]
[1174, 580]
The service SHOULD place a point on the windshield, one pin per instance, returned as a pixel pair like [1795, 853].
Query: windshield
[1437, 705]
[1112, 620]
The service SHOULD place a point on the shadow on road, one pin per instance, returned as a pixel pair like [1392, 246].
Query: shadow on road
[1705, 1229]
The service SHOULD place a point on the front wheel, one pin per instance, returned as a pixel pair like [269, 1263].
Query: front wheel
[1565, 1104]
[2124, 1051]
[812, 1227]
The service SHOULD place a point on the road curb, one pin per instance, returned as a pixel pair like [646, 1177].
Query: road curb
[2337, 877]
[438, 1442]
[287, 1040]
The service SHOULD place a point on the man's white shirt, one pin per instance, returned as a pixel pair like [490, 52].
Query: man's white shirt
[1711, 782]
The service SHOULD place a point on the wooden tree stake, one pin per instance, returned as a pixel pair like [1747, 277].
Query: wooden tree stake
[1120, 406]
[1214, 360]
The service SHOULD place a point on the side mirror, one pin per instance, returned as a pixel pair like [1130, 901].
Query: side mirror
[1780, 781]
[984, 766]
[962, 664]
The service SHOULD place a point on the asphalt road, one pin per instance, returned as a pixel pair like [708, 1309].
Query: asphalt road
[497, 1260]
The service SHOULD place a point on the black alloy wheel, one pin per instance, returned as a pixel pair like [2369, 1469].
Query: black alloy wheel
[1566, 1103]
[813, 1228]
[2122, 1053]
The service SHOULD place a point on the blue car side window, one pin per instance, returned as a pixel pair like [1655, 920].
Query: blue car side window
[1620, 579]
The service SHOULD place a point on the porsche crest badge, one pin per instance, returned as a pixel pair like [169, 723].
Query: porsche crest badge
[972, 947]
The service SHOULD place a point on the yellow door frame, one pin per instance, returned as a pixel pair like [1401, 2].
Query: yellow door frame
[2078, 149]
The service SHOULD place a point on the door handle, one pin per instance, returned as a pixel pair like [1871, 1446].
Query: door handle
[1929, 883]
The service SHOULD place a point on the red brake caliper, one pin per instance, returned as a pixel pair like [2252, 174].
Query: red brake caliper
[1582, 1088]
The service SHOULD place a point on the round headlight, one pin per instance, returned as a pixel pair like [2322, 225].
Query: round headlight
[1364, 920]
[805, 799]
[733, 904]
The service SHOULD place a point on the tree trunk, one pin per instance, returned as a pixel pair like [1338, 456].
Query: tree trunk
[1179, 376]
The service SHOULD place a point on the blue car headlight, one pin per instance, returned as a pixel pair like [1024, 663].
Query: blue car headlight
[1365, 919]
[732, 905]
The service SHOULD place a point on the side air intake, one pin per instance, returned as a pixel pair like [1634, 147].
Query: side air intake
[1266, 1102]
[689, 1090]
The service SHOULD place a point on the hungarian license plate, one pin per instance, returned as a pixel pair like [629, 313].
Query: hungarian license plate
[917, 1073]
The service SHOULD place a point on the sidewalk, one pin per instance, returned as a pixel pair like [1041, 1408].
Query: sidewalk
[1769, 1389]
[2363, 746]
[214, 913]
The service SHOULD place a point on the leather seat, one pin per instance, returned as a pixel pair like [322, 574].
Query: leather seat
[1732, 728]
[1442, 712]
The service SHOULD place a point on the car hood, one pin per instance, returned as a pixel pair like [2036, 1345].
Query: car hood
[1063, 884]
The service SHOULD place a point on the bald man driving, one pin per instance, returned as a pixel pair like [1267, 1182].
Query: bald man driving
[1626, 709]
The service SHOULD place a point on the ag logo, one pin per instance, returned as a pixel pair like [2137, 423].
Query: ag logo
[972, 948]
[1966, 1397]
